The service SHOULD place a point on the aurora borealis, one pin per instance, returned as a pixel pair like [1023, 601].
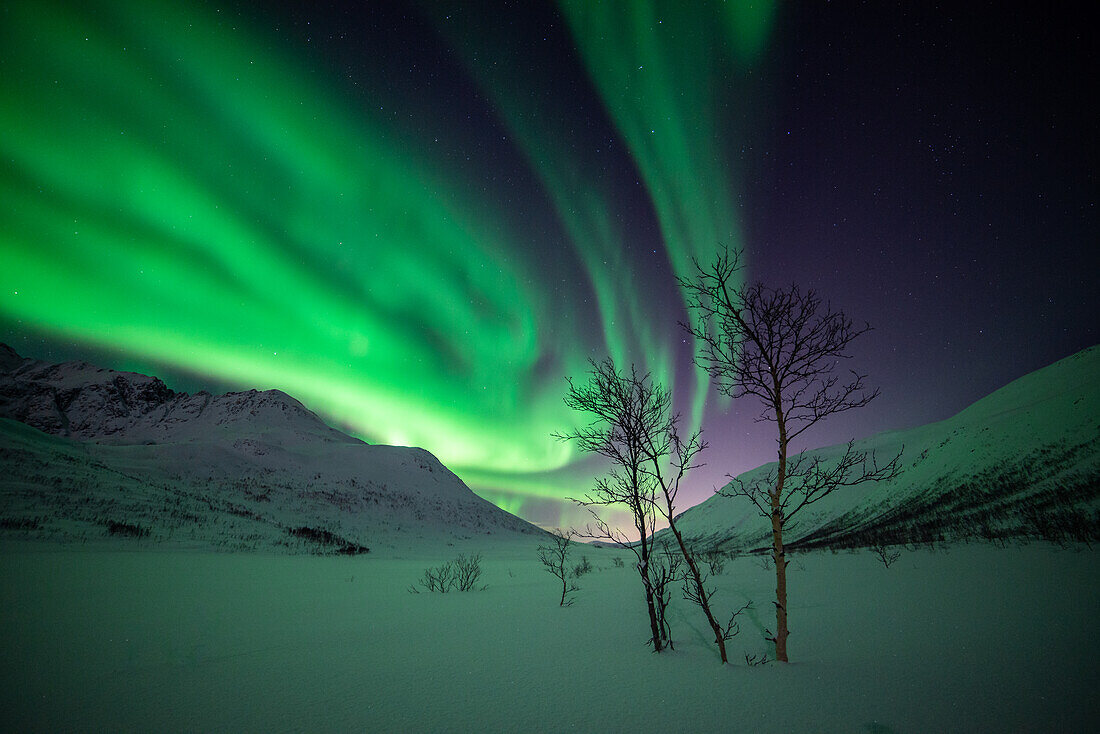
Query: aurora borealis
[418, 219]
[176, 190]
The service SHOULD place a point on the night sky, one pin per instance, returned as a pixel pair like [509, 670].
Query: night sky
[419, 219]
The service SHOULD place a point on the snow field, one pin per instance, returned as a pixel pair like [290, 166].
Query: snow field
[974, 638]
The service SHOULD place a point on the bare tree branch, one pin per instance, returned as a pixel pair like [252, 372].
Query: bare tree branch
[781, 346]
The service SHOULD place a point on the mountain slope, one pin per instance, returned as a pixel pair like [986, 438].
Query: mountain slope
[81, 401]
[1023, 461]
[88, 453]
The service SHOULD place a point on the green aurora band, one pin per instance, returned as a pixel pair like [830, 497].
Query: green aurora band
[174, 191]
[670, 74]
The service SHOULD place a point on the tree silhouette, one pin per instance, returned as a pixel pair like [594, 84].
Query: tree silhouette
[620, 417]
[781, 346]
[635, 428]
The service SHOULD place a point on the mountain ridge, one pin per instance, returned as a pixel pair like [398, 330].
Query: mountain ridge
[82, 401]
[237, 471]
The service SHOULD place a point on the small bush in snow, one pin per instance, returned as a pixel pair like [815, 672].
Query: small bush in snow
[467, 572]
[126, 530]
[753, 660]
[884, 554]
[715, 561]
[461, 574]
[583, 567]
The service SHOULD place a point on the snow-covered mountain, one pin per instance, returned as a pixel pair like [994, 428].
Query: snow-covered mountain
[88, 453]
[89, 403]
[1023, 461]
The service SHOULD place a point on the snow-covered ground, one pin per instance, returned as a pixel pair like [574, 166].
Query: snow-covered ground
[970, 639]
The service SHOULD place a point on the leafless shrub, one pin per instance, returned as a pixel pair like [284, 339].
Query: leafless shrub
[884, 554]
[553, 558]
[583, 567]
[715, 560]
[461, 574]
[467, 572]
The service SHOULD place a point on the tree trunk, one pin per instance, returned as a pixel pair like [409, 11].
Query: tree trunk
[697, 579]
[654, 625]
[643, 567]
[780, 558]
[778, 553]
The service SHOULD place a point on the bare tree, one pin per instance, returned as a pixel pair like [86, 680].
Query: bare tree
[621, 416]
[781, 346]
[553, 557]
[635, 427]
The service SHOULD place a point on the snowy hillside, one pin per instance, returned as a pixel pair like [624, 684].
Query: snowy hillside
[88, 454]
[1023, 461]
